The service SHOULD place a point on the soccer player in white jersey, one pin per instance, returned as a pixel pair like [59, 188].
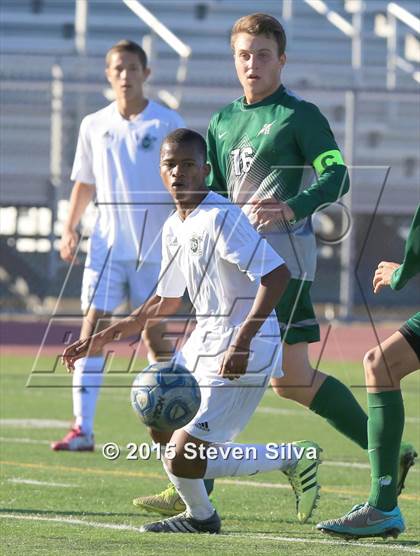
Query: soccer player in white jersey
[117, 161]
[234, 280]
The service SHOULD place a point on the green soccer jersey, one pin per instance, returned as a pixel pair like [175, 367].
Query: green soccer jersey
[411, 264]
[262, 149]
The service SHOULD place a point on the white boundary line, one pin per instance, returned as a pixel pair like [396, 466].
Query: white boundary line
[34, 423]
[18, 481]
[261, 536]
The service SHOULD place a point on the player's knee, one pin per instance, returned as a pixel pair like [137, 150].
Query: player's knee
[373, 365]
[159, 437]
[287, 392]
[156, 346]
[179, 466]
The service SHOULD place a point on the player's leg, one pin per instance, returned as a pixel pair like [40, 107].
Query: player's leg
[142, 282]
[159, 347]
[198, 514]
[102, 291]
[385, 366]
[323, 394]
[225, 410]
[87, 380]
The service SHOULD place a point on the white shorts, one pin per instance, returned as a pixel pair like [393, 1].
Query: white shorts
[227, 405]
[108, 286]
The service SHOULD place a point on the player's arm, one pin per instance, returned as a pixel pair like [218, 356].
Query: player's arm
[272, 287]
[316, 142]
[81, 195]
[215, 181]
[239, 244]
[83, 191]
[397, 275]
[318, 146]
[155, 309]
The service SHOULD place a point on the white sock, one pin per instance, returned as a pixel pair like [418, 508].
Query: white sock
[151, 358]
[194, 494]
[87, 379]
[234, 460]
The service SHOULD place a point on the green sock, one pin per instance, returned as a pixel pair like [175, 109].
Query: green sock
[209, 484]
[339, 407]
[385, 428]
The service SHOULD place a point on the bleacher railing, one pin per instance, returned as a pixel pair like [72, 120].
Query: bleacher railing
[182, 49]
[352, 30]
[386, 26]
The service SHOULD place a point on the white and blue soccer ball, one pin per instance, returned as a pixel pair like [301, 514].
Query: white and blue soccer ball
[165, 396]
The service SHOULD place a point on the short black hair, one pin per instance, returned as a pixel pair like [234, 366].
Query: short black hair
[127, 46]
[183, 135]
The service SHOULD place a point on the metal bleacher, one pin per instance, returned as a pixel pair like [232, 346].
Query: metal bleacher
[318, 64]
[36, 34]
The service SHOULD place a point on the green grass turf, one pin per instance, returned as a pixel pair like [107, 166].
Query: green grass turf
[257, 519]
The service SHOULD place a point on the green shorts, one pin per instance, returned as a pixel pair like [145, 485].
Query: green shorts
[414, 323]
[296, 314]
[411, 332]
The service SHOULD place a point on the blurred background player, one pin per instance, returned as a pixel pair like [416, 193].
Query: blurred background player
[210, 249]
[385, 366]
[117, 161]
[258, 147]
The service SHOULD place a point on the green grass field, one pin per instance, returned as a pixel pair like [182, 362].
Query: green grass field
[62, 503]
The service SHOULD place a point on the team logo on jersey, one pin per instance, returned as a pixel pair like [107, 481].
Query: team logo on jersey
[265, 130]
[147, 142]
[203, 426]
[108, 137]
[196, 244]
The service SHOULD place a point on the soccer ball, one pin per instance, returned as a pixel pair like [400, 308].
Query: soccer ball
[165, 396]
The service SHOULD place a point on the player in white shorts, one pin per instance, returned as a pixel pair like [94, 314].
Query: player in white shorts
[234, 280]
[117, 161]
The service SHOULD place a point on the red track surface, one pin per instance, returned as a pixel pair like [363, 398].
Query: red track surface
[341, 344]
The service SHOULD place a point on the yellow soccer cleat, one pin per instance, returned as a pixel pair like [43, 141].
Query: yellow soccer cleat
[304, 479]
[168, 502]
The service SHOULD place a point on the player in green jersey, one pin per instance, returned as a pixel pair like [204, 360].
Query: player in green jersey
[385, 366]
[258, 148]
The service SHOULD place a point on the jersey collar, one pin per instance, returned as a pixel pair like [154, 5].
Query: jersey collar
[140, 116]
[265, 101]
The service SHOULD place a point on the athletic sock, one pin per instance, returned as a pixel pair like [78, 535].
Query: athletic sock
[87, 380]
[209, 484]
[385, 428]
[193, 493]
[234, 460]
[339, 407]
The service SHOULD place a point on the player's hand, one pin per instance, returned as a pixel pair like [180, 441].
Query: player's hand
[82, 348]
[68, 245]
[383, 275]
[235, 362]
[266, 213]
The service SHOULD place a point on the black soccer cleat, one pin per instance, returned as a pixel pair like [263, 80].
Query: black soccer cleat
[408, 457]
[184, 523]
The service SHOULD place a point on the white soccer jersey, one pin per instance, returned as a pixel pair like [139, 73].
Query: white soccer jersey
[121, 158]
[218, 256]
